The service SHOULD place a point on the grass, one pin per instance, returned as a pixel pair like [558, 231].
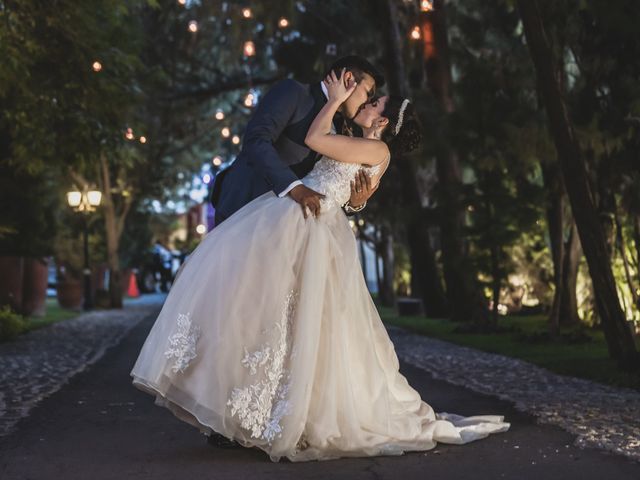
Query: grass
[54, 313]
[588, 360]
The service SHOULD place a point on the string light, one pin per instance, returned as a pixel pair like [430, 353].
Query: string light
[143, 139]
[193, 26]
[249, 49]
[97, 66]
[206, 178]
[219, 115]
[226, 132]
[246, 12]
[426, 5]
[415, 33]
[248, 101]
[182, 2]
[217, 161]
[129, 134]
[201, 229]
[283, 23]
[235, 140]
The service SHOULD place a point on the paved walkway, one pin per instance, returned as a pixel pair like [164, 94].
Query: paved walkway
[601, 416]
[100, 427]
[40, 362]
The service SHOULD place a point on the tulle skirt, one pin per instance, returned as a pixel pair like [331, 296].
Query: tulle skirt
[269, 336]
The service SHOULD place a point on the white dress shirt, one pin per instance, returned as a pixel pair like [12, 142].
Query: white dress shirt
[298, 182]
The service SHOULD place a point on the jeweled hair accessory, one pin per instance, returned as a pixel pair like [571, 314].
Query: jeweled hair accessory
[403, 107]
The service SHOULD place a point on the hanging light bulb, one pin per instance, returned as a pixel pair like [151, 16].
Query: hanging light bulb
[415, 33]
[201, 229]
[249, 49]
[226, 132]
[206, 178]
[248, 100]
[217, 161]
[426, 5]
[193, 26]
[129, 134]
[97, 66]
[283, 23]
[219, 115]
[182, 2]
[143, 139]
[246, 12]
[235, 140]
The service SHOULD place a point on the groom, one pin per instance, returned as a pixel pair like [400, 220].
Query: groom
[274, 155]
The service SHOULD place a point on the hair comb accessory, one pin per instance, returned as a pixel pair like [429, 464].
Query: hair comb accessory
[403, 107]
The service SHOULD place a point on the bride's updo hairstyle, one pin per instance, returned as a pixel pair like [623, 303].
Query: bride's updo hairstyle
[403, 133]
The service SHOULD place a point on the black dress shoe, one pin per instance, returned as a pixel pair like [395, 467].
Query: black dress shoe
[221, 441]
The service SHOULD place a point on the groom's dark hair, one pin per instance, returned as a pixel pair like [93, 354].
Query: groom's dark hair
[358, 65]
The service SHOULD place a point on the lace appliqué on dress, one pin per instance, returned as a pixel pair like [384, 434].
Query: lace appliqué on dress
[261, 405]
[182, 344]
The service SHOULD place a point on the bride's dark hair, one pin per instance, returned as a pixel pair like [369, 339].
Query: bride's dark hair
[409, 136]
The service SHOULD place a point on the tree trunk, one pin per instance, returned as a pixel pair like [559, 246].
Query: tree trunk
[606, 202]
[496, 280]
[636, 240]
[387, 294]
[425, 278]
[623, 256]
[378, 254]
[464, 293]
[571, 263]
[616, 330]
[555, 221]
[114, 225]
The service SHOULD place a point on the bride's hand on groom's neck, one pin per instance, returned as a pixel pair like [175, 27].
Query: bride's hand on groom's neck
[339, 88]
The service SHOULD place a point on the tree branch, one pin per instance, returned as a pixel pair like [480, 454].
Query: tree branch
[217, 89]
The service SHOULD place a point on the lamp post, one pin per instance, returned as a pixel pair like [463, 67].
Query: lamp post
[85, 202]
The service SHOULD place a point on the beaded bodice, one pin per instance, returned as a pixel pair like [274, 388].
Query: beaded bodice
[333, 179]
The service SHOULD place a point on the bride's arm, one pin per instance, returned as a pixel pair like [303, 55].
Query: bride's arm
[341, 147]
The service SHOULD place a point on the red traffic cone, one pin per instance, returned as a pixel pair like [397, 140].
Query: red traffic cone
[133, 291]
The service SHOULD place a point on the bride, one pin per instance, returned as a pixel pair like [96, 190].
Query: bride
[269, 335]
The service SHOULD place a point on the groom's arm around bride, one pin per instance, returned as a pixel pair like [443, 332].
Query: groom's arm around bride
[274, 155]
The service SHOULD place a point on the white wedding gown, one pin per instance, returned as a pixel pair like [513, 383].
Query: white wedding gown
[269, 336]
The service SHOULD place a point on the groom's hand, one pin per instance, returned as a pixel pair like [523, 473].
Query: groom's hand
[307, 198]
[361, 189]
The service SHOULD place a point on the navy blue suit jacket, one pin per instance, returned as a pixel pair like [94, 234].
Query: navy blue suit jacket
[273, 153]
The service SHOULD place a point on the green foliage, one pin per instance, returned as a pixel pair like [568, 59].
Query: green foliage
[11, 324]
[27, 203]
[58, 110]
[167, 83]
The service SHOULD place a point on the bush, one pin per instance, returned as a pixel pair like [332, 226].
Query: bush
[11, 324]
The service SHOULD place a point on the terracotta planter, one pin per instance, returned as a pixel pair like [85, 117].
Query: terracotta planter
[70, 294]
[34, 286]
[11, 278]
